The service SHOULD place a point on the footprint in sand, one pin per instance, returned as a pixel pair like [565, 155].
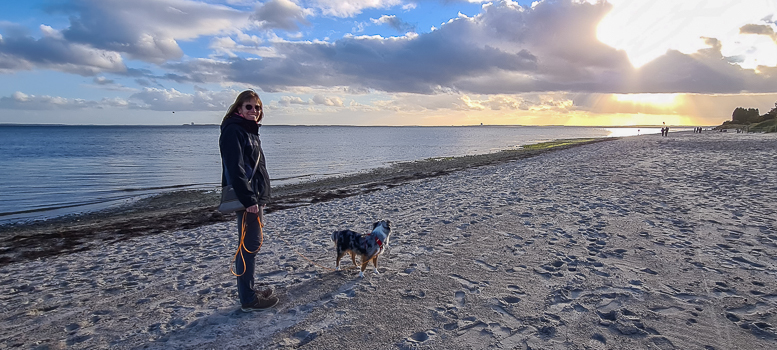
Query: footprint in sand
[473, 287]
[511, 299]
[303, 337]
[486, 265]
[416, 339]
[752, 317]
[515, 289]
[460, 297]
[413, 294]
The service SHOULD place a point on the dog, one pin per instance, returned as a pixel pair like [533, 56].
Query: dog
[368, 246]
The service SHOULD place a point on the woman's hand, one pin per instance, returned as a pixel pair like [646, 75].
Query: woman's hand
[253, 209]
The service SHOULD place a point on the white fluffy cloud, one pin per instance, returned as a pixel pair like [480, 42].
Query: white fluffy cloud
[173, 100]
[318, 99]
[20, 100]
[281, 14]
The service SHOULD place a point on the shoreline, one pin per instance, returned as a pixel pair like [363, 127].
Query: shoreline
[193, 209]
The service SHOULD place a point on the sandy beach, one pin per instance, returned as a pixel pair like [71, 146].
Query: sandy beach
[643, 242]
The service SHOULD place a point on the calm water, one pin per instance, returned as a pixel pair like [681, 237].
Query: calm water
[48, 171]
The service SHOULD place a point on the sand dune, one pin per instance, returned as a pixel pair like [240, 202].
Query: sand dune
[642, 242]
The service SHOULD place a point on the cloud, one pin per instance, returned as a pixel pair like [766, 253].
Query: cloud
[103, 81]
[318, 99]
[281, 14]
[20, 100]
[505, 50]
[147, 30]
[394, 22]
[327, 101]
[51, 52]
[646, 29]
[147, 99]
[174, 100]
[405, 64]
[245, 43]
[759, 29]
[350, 8]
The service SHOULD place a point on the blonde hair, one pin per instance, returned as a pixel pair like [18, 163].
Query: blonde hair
[242, 98]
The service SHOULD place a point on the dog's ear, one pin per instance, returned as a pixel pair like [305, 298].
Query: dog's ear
[388, 223]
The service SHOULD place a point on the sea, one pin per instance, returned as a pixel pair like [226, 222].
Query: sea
[48, 171]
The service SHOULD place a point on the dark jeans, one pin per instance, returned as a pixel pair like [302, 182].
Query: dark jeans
[245, 282]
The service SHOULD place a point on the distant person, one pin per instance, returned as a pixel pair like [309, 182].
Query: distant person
[241, 152]
[666, 131]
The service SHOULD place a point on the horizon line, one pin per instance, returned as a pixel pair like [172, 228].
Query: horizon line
[352, 125]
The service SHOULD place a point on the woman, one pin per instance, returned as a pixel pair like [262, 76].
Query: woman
[241, 153]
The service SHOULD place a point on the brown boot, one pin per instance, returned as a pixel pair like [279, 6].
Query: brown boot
[260, 304]
[263, 292]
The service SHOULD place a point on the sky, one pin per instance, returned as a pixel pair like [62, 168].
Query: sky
[387, 62]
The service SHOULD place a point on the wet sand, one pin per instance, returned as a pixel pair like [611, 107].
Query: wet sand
[641, 242]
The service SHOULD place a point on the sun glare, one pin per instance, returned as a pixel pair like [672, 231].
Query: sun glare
[646, 29]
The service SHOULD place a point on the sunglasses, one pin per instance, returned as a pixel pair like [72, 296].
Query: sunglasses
[251, 107]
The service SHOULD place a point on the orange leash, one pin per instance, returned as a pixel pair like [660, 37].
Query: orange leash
[241, 246]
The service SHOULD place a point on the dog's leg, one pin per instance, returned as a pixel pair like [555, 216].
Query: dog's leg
[375, 263]
[353, 258]
[337, 262]
[364, 267]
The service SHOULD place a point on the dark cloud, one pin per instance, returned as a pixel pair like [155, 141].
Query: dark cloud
[53, 53]
[759, 29]
[396, 23]
[398, 65]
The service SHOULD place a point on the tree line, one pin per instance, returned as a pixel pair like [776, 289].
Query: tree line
[747, 116]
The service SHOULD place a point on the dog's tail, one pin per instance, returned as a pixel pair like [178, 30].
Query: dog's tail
[335, 236]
